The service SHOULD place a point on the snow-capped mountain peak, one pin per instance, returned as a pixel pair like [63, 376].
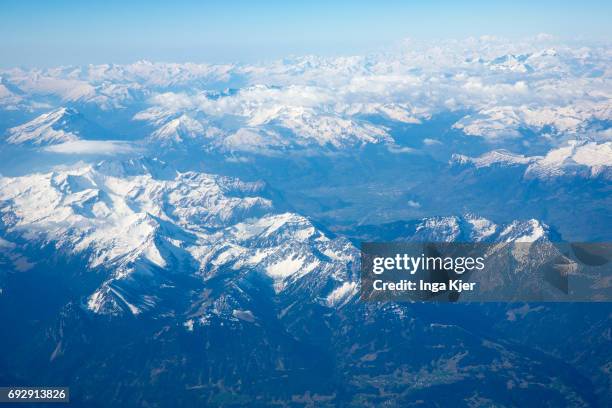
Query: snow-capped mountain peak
[178, 130]
[124, 220]
[575, 158]
[472, 228]
[60, 125]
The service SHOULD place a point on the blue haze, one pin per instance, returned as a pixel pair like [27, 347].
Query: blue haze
[43, 33]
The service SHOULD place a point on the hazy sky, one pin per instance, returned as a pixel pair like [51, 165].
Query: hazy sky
[47, 33]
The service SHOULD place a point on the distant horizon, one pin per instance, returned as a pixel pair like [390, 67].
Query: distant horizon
[69, 33]
[544, 38]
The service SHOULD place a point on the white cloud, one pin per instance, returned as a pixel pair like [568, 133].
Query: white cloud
[103, 147]
[431, 142]
[401, 149]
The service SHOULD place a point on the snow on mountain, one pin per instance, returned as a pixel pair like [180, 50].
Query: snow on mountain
[499, 157]
[111, 86]
[529, 231]
[139, 222]
[576, 158]
[472, 228]
[182, 129]
[143, 227]
[61, 125]
[505, 87]
[509, 121]
[253, 140]
[513, 63]
[52, 82]
[137, 218]
[156, 75]
[49, 128]
[573, 159]
[329, 130]
[260, 114]
[548, 59]
[400, 112]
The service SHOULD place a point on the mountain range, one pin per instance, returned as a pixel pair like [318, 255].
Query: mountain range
[189, 234]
